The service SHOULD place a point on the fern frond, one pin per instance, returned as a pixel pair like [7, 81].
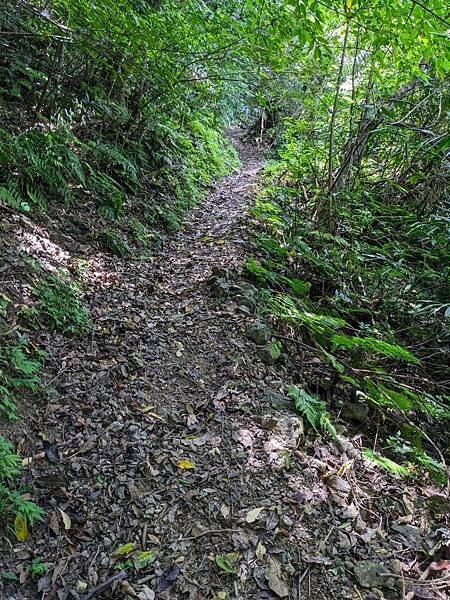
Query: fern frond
[313, 409]
[385, 463]
[373, 345]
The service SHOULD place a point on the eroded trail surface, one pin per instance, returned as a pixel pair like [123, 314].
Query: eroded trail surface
[173, 436]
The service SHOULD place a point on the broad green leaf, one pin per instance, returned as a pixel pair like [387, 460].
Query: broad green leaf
[226, 562]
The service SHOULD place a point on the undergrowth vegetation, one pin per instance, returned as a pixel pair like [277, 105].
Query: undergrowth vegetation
[106, 124]
[58, 305]
[351, 247]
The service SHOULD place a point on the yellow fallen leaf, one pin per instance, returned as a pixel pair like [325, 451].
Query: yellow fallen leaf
[125, 549]
[344, 468]
[20, 528]
[66, 520]
[148, 410]
[220, 241]
[185, 464]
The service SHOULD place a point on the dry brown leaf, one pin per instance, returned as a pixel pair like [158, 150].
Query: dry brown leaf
[66, 519]
[274, 578]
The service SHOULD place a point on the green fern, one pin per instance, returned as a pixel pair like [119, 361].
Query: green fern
[12, 502]
[413, 451]
[9, 462]
[18, 371]
[385, 463]
[313, 409]
[374, 346]
[404, 400]
[385, 397]
[266, 276]
[285, 308]
[259, 273]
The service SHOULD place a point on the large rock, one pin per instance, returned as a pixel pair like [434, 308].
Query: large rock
[245, 294]
[258, 332]
[244, 289]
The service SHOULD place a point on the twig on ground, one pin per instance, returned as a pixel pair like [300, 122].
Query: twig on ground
[105, 585]
[209, 531]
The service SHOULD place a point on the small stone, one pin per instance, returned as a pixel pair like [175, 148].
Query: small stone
[220, 287]
[350, 512]
[277, 399]
[81, 586]
[258, 332]
[355, 411]
[146, 594]
[339, 484]
[247, 301]
[287, 521]
[372, 575]
[116, 426]
[360, 525]
[245, 288]
[268, 422]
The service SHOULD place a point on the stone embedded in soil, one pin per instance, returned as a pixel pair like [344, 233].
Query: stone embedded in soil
[370, 574]
[355, 411]
[220, 287]
[268, 422]
[247, 301]
[258, 332]
[276, 399]
[245, 289]
[244, 310]
[270, 353]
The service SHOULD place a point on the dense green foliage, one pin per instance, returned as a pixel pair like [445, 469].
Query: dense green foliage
[355, 207]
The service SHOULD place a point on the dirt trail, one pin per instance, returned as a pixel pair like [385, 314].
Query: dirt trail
[171, 431]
